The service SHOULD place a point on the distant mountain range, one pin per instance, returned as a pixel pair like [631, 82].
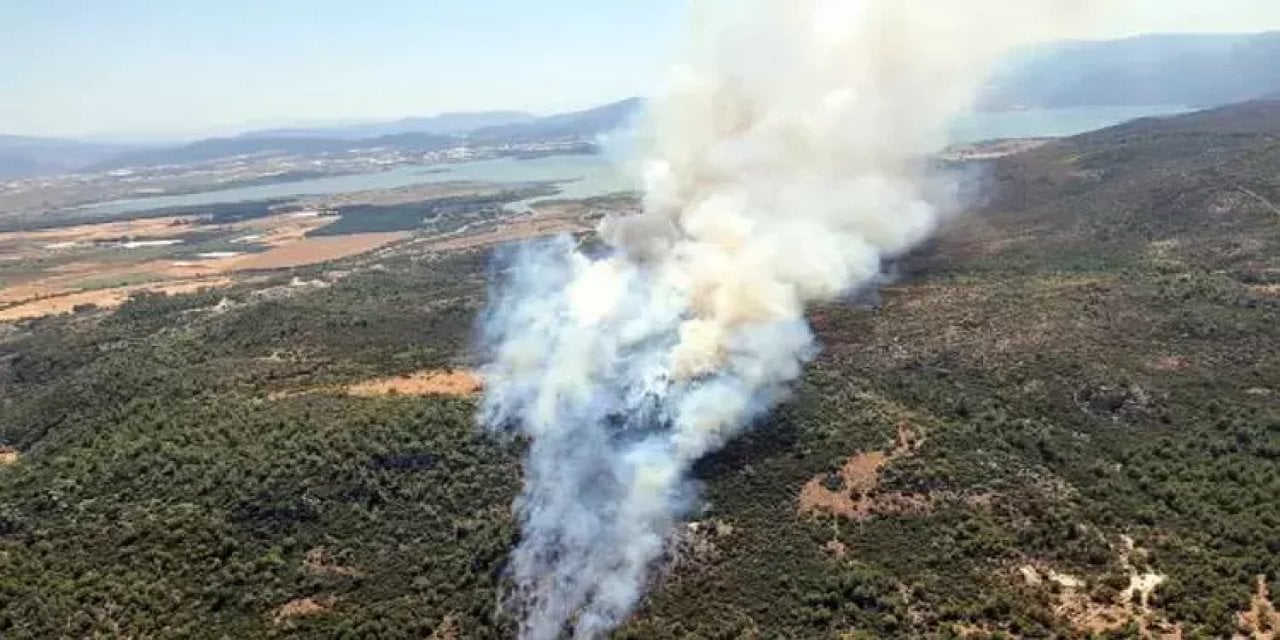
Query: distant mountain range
[577, 123]
[482, 125]
[1187, 70]
[443, 124]
[30, 156]
[216, 148]
[408, 135]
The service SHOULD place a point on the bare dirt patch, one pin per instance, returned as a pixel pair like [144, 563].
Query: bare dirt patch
[421, 383]
[302, 607]
[969, 630]
[1261, 621]
[1090, 615]
[103, 298]
[308, 251]
[836, 548]
[850, 492]
[1170, 363]
[846, 494]
[448, 629]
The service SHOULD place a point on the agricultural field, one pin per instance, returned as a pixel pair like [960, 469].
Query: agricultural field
[48, 268]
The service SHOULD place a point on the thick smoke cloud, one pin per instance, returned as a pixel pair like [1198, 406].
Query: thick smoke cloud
[784, 164]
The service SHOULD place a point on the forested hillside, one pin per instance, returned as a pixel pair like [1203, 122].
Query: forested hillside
[1063, 420]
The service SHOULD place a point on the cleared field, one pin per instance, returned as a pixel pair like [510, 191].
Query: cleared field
[59, 281]
[54, 270]
[150, 228]
[281, 229]
[313, 250]
[404, 195]
[421, 383]
[510, 230]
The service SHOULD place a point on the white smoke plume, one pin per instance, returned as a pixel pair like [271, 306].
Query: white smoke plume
[785, 162]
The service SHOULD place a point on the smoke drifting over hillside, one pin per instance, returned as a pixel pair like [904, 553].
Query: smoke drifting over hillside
[785, 163]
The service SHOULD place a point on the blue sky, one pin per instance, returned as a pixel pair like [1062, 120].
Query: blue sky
[134, 66]
[189, 67]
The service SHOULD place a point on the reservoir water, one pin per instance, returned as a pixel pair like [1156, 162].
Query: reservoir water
[584, 176]
[1050, 123]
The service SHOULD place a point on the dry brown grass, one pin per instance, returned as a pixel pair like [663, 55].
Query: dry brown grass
[421, 383]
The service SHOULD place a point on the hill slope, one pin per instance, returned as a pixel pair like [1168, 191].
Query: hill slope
[585, 123]
[443, 124]
[579, 124]
[22, 156]
[1064, 421]
[1146, 70]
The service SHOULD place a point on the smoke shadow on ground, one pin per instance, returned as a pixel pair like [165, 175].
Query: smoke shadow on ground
[775, 432]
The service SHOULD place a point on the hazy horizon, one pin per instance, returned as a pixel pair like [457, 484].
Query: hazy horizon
[134, 70]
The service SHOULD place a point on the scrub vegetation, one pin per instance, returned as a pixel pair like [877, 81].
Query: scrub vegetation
[1072, 390]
